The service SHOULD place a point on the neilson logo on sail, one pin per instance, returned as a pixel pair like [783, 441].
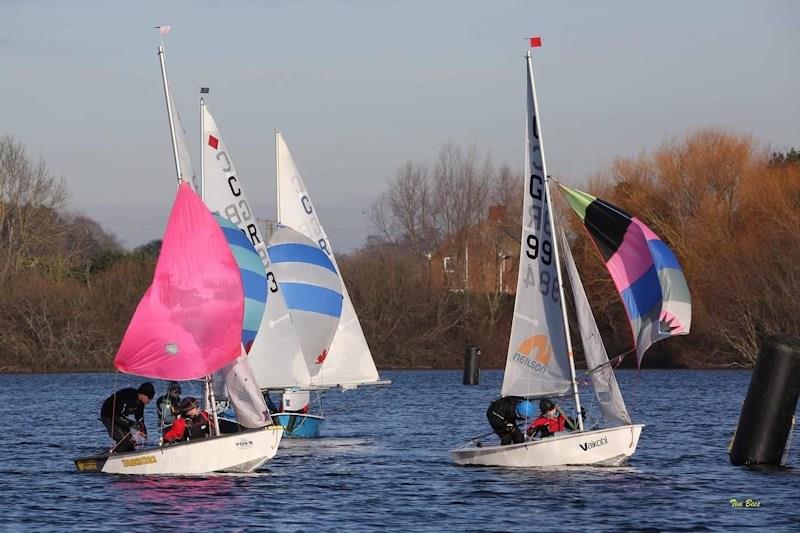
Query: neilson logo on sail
[534, 352]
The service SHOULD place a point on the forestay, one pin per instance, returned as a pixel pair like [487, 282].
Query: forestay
[605, 383]
[275, 355]
[188, 323]
[645, 271]
[537, 363]
[349, 360]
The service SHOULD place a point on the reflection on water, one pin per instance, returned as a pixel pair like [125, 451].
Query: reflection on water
[218, 491]
[383, 464]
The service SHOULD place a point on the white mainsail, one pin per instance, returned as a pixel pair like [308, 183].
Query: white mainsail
[605, 384]
[275, 356]
[349, 360]
[537, 364]
[540, 361]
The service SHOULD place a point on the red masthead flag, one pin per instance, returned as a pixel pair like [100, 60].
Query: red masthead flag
[536, 42]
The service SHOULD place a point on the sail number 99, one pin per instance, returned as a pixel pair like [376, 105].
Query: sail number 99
[536, 249]
[533, 249]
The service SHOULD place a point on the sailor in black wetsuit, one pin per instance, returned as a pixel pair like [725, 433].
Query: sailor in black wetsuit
[503, 414]
[116, 409]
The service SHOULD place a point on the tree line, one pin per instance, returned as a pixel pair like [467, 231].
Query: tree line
[728, 207]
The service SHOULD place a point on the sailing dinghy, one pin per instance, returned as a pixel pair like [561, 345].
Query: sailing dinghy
[347, 363]
[540, 362]
[187, 326]
[194, 320]
[291, 336]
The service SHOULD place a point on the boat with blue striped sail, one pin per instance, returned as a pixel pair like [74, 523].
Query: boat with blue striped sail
[347, 363]
[291, 333]
[312, 289]
[540, 357]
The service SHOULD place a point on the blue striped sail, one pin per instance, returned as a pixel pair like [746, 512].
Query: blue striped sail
[312, 289]
[254, 279]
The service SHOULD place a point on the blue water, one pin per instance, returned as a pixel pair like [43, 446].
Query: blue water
[383, 464]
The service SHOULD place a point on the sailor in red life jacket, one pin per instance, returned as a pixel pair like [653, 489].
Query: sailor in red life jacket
[550, 421]
[192, 423]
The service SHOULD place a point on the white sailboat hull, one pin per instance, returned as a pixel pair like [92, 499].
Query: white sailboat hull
[602, 447]
[236, 452]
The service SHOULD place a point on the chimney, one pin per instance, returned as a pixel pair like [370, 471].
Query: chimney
[497, 213]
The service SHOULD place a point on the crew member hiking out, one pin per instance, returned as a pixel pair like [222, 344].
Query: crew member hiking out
[503, 414]
[115, 411]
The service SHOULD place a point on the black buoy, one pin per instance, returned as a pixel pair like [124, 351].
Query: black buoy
[768, 410]
[471, 370]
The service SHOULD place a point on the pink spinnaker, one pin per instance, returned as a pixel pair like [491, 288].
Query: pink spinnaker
[189, 322]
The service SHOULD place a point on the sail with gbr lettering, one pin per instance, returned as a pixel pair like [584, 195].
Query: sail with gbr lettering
[540, 362]
[537, 364]
[349, 361]
[275, 354]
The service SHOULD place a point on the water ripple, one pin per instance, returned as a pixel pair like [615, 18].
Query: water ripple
[383, 464]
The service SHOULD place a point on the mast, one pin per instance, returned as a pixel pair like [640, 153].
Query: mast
[278, 174]
[209, 385]
[203, 90]
[573, 380]
[169, 112]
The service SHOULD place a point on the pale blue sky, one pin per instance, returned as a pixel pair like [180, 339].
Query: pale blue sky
[359, 87]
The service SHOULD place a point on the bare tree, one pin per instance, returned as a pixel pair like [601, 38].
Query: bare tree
[30, 200]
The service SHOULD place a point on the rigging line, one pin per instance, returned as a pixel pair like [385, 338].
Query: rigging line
[319, 403]
[113, 414]
[479, 436]
[614, 362]
[128, 434]
[572, 425]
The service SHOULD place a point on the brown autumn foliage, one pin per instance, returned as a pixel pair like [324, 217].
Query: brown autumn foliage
[68, 289]
[732, 215]
[729, 210]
